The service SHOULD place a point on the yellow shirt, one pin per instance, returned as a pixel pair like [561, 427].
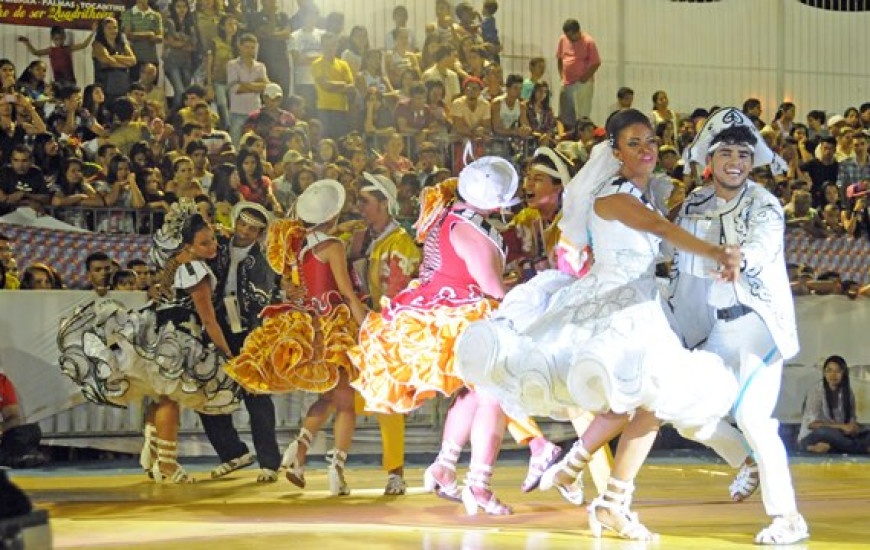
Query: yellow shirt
[533, 234]
[335, 71]
[393, 262]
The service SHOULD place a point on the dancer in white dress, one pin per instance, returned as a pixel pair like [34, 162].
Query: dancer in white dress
[602, 342]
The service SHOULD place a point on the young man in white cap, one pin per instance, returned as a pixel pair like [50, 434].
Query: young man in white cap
[246, 284]
[385, 259]
[749, 323]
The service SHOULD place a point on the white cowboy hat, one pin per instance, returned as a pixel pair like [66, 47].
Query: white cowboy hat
[386, 186]
[489, 183]
[239, 211]
[320, 202]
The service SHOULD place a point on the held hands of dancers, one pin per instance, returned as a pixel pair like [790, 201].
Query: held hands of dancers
[730, 260]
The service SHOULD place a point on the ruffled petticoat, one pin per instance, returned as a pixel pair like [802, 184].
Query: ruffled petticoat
[295, 350]
[118, 357]
[407, 357]
[560, 343]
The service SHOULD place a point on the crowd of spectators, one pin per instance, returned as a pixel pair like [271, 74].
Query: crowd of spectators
[256, 104]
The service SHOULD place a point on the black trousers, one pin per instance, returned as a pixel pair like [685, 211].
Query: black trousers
[224, 437]
[17, 442]
[221, 432]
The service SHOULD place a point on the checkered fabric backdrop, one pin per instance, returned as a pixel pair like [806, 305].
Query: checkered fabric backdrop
[66, 250]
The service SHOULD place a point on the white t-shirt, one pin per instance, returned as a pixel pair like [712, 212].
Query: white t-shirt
[308, 45]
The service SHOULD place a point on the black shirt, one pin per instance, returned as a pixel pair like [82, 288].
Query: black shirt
[820, 174]
[32, 183]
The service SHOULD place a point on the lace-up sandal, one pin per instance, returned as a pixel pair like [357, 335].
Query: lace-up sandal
[612, 511]
[295, 469]
[335, 459]
[167, 454]
[447, 458]
[148, 454]
[540, 464]
[395, 485]
[784, 530]
[745, 484]
[566, 475]
[232, 465]
[267, 475]
[478, 478]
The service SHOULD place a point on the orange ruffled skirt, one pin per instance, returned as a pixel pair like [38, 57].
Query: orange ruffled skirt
[295, 350]
[408, 359]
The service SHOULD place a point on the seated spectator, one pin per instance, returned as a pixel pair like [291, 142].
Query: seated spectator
[828, 282]
[832, 216]
[303, 179]
[18, 120]
[470, 113]
[829, 422]
[39, 276]
[120, 190]
[182, 184]
[255, 143]
[197, 152]
[21, 183]
[254, 185]
[272, 123]
[393, 159]
[19, 442]
[401, 58]
[800, 213]
[427, 162]
[326, 153]
[124, 279]
[379, 119]
[823, 169]
[542, 119]
[71, 190]
[71, 118]
[509, 117]
[126, 131]
[225, 192]
[670, 163]
[148, 78]
[98, 272]
[438, 108]
[47, 156]
[10, 280]
[143, 273]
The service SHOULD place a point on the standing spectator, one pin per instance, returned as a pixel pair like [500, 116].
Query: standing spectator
[822, 169]
[305, 47]
[181, 44]
[752, 109]
[493, 79]
[357, 47]
[537, 68]
[113, 58]
[829, 421]
[272, 123]
[577, 59]
[333, 80]
[143, 28]
[19, 442]
[400, 19]
[246, 80]
[208, 14]
[783, 121]
[445, 58]
[223, 49]
[272, 28]
[21, 183]
[60, 53]
[400, 58]
[661, 111]
[489, 31]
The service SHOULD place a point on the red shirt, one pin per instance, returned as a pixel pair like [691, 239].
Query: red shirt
[7, 392]
[257, 191]
[576, 57]
[61, 62]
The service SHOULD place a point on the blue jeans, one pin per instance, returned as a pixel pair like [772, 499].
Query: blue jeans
[222, 103]
[237, 122]
[839, 441]
[180, 78]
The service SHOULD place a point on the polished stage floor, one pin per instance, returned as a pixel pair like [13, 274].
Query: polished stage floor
[105, 506]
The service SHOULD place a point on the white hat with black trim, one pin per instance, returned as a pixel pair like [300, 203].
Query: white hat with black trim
[252, 213]
[386, 186]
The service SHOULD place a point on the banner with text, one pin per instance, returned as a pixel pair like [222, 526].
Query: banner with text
[64, 13]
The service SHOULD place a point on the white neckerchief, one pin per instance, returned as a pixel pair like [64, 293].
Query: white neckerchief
[237, 254]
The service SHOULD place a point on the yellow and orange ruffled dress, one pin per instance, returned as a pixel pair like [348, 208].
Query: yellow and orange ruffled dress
[405, 355]
[299, 346]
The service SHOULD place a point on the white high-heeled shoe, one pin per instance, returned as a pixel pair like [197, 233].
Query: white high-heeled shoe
[335, 459]
[446, 459]
[618, 501]
[296, 470]
[167, 453]
[572, 466]
[478, 478]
